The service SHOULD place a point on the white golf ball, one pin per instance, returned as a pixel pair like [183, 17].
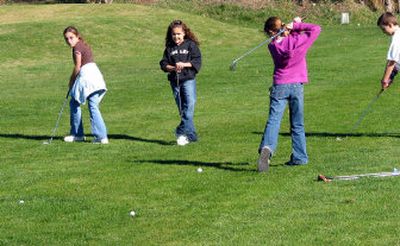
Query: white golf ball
[21, 201]
[199, 170]
[132, 213]
[339, 139]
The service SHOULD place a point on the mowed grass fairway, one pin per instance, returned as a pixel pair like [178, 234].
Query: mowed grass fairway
[81, 193]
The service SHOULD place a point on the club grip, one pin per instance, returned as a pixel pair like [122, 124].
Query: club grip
[66, 96]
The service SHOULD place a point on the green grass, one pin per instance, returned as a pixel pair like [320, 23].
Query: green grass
[78, 194]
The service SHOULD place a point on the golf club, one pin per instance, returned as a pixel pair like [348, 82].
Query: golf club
[327, 179]
[53, 132]
[367, 109]
[179, 94]
[234, 62]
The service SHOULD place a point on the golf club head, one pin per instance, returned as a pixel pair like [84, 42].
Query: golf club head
[232, 67]
[47, 142]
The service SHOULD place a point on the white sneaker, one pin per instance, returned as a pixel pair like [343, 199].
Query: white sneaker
[71, 138]
[182, 140]
[101, 141]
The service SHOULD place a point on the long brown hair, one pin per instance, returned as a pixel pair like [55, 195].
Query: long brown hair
[188, 33]
[75, 31]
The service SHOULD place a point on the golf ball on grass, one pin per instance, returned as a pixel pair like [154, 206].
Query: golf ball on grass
[21, 201]
[199, 170]
[132, 213]
[339, 139]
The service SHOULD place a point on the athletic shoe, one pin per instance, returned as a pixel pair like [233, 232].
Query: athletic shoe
[182, 140]
[291, 163]
[263, 160]
[71, 138]
[100, 141]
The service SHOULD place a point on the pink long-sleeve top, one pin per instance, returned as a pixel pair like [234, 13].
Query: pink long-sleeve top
[289, 54]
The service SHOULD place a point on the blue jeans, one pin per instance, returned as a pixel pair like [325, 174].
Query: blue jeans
[185, 98]
[99, 129]
[280, 96]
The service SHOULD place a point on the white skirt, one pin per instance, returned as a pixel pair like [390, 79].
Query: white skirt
[88, 81]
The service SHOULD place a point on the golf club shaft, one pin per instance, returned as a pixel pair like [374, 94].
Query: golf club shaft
[53, 132]
[367, 109]
[258, 46]
[392, 76]
[179, 94]
[357, 176]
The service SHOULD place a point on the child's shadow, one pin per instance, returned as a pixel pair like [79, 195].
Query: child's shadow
[110, 136]
[138, 139]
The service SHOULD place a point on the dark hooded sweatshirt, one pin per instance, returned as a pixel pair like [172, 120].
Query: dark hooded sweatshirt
[185, 52]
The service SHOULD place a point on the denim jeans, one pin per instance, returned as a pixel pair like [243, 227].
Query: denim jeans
[279, 97]
[99, 129]
[185, 98]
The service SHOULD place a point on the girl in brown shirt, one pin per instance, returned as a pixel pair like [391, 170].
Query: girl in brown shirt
[86, 83]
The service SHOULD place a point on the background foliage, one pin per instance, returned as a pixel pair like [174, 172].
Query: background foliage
[327, 9]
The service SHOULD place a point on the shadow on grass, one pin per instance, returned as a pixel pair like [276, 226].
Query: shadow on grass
[138, 139]
[229, 166]
[111, 136]
[29, 137]
[332, 134]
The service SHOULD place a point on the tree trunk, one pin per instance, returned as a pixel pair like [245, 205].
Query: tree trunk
[389, 6]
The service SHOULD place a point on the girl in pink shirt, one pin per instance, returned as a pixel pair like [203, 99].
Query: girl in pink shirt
[288, 52]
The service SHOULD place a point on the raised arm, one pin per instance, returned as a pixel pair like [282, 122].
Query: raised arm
[309, 33]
